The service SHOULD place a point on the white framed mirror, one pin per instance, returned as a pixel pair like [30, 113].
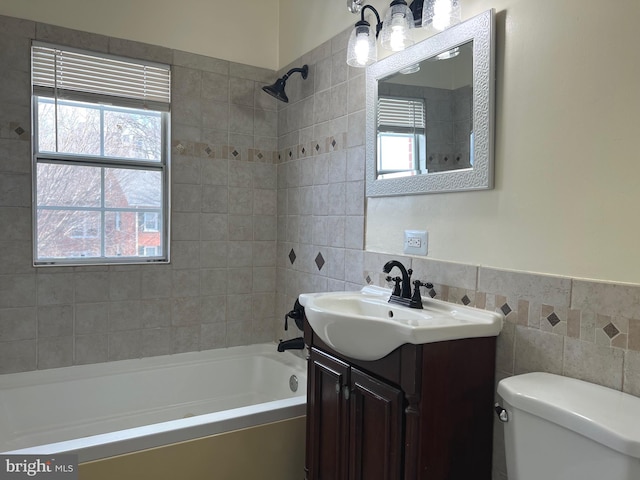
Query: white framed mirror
[429, 117]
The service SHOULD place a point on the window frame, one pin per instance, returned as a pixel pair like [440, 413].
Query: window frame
[104, 162]
[416, 143]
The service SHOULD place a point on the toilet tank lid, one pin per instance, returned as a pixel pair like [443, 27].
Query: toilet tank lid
[606, 416]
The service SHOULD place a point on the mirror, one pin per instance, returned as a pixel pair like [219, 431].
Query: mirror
[430, 114]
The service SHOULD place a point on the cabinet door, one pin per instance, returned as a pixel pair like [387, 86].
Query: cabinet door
[327, 417]
[375, 429]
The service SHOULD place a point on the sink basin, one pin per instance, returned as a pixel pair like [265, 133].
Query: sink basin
[364, 326]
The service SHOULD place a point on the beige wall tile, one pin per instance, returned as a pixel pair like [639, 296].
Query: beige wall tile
[18, 324]
[593, 363]
[185, 338]
[505, 349]
[573, 324]
[634, 335]
[537, 351]
[54, 352]
[632, 373]
[540, 289]
[605, 298]
[17, 291]
[54, 288]
[90, 349]
[55, 321]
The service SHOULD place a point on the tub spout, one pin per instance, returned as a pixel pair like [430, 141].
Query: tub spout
[293, 344]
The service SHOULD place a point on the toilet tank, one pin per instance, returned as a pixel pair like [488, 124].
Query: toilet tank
[566, 429]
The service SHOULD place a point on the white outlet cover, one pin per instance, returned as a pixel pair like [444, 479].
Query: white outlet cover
[416, 242]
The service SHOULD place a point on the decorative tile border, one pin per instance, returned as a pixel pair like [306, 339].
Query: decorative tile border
[600, 313]
[313, 148]
[206, 150]
[585, 325]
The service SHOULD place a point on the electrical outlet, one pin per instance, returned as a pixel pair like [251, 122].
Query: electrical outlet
[415, 242]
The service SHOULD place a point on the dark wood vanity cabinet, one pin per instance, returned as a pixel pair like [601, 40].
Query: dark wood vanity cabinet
[422, 412]
[355, 419]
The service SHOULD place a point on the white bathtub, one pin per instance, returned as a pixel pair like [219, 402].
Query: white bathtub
[108, 409]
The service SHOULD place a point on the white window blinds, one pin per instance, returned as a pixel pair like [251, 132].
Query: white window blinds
[64, 72]
[401, 114]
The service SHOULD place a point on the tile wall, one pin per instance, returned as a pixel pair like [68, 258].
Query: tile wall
[321, 201]
[219, 289]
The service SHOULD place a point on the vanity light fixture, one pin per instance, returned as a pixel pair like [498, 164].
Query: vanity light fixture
[440, 14]
[277, 89]
[354, 6]
[396, 31]
[361, 50]
[397, 27]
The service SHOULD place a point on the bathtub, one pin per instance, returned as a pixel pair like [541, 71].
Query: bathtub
[110, 409]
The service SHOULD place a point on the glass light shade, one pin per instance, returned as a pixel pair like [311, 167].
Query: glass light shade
[454, 52]
[361, 50]
[441, 14]
[397, 28]
[410, 69]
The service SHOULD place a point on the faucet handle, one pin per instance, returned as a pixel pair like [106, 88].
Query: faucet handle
[396, 288]
[416, 299]
[419, 283]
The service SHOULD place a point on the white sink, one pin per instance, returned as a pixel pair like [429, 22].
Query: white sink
[364, 326]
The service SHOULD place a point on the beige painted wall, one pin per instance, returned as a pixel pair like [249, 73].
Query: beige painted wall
[243, 32]
[567, 163]
[305, 24]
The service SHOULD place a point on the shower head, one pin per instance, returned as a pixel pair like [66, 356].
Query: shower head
[277, 89]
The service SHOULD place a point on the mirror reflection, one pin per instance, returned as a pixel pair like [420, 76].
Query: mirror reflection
[430, 114]
[425, 116]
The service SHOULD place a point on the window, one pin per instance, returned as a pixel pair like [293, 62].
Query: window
[100, 157]
[84, 229]
[150, 222]
[401, 135]
[148, 251]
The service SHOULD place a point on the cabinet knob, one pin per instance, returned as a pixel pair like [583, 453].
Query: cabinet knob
[347, 392]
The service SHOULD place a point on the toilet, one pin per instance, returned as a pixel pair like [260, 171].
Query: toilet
[559, 428]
